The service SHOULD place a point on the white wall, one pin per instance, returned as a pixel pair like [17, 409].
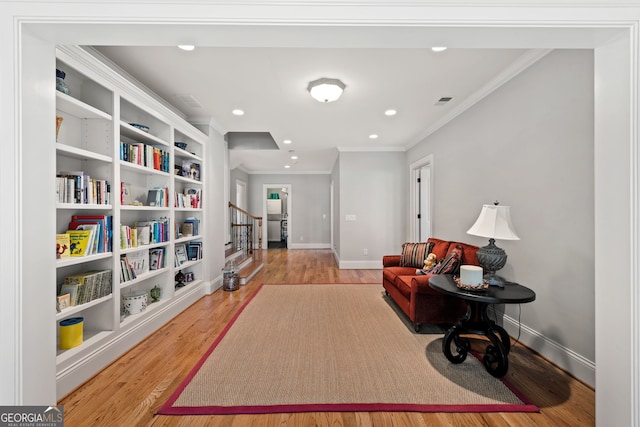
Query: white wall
[310, 217]
[374, 189]
[529, 145]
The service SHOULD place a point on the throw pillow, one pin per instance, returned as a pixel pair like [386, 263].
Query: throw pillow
[414, 254]
[451, 263]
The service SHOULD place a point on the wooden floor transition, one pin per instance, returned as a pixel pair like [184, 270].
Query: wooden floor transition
[129, 391]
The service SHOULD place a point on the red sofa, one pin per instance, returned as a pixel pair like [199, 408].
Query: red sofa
[412, 293]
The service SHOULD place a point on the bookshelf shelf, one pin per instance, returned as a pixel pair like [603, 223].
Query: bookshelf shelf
[142, 169]
[144, 208]
[87, 206]
[188, 180]
[132, 132]
[144, 247]
[188, 287]
[90, 337]
[66, 262]
[183, 154]
[68, 312]
[78, 108]
[80, 154]
[143, 277]
[188, 264]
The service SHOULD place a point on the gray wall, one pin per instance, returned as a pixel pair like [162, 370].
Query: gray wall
[530, 145]
[309, 202]
[373, 187]
[237, 174]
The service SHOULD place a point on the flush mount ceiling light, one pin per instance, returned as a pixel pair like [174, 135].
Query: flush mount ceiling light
[390, 112]
[438, 48]
[286, 141]
[186, 47]
[326, 90]
[237, 112]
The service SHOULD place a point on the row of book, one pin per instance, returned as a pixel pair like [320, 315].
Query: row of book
[144, 233]
[191, 198]
[79, 187]
[145, 155]
[134, 264]
[86, 235]
[190, 227]
[85, 287]
[191, 251]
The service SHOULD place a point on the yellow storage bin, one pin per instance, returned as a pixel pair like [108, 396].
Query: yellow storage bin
[71, 332]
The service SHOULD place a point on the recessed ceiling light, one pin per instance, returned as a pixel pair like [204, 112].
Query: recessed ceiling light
[286, 141]
[187, 47]
[438, 48]
[294, 157]
[373, 136]
[287, 166]
[237, 112]
[390, 112]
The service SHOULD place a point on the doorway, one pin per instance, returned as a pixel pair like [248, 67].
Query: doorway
[421, 199]
[277, 210]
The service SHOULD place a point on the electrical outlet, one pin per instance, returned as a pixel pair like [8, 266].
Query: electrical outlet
[301, 238]
[365, 251]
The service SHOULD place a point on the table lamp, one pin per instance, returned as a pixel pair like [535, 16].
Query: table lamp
[494, 222]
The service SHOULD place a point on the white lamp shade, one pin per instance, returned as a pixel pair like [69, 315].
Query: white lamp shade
[326, 90]
[494, 222]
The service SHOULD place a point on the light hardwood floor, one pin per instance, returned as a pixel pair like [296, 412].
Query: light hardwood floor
[129, 391]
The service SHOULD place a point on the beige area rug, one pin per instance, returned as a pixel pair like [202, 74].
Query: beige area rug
[334, 347]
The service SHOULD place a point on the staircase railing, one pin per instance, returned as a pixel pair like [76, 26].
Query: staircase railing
[245, 229]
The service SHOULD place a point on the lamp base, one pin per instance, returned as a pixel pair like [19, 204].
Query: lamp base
[494, 280]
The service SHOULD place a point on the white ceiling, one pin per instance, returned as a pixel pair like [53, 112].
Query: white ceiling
[269, 84]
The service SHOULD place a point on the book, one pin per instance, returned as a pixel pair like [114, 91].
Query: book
[194, 251]
[139, 261]
[105, 234]
[63, 246]
[181, 255]
[95, 238]
[156, 259]
[187, 229]
[79, 242]
[64, 301]
[126, 194]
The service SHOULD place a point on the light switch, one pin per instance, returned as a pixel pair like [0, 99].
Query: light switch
[350, 218]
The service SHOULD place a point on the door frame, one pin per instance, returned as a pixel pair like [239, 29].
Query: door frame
[414, 169]
[265, 189]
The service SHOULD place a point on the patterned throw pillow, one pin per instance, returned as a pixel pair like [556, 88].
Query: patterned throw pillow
[450, 264]
[414, 254]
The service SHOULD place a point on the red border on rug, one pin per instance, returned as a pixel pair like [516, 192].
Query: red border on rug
[169, 409]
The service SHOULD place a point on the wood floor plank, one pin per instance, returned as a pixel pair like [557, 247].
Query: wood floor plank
[129, 391]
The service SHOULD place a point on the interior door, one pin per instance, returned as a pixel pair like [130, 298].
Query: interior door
[423, 190]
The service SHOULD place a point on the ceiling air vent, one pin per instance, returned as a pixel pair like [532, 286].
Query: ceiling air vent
[444, 100]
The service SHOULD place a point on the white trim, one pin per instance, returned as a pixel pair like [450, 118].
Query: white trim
[263, 196]
[564, 357]
[310, 246]
[413, 170]
[373, 149]
[360, 265]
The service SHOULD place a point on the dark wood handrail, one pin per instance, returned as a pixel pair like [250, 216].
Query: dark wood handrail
[231, 205]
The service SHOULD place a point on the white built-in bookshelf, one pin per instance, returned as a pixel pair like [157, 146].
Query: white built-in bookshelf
[97, 138]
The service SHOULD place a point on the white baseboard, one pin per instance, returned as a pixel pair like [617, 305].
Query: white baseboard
[360, 265]
[310, 246]
[565, 358]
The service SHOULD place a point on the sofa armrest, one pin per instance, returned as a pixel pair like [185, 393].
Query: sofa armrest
[391, 260]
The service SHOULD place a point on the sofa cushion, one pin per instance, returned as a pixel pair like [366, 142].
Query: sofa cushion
[440, 247]
[451, 263]
[414, 254]
[403, 284]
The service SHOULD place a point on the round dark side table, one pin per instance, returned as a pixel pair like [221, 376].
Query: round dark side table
[477, 321]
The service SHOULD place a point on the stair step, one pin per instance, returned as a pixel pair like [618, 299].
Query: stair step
[249, 270]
